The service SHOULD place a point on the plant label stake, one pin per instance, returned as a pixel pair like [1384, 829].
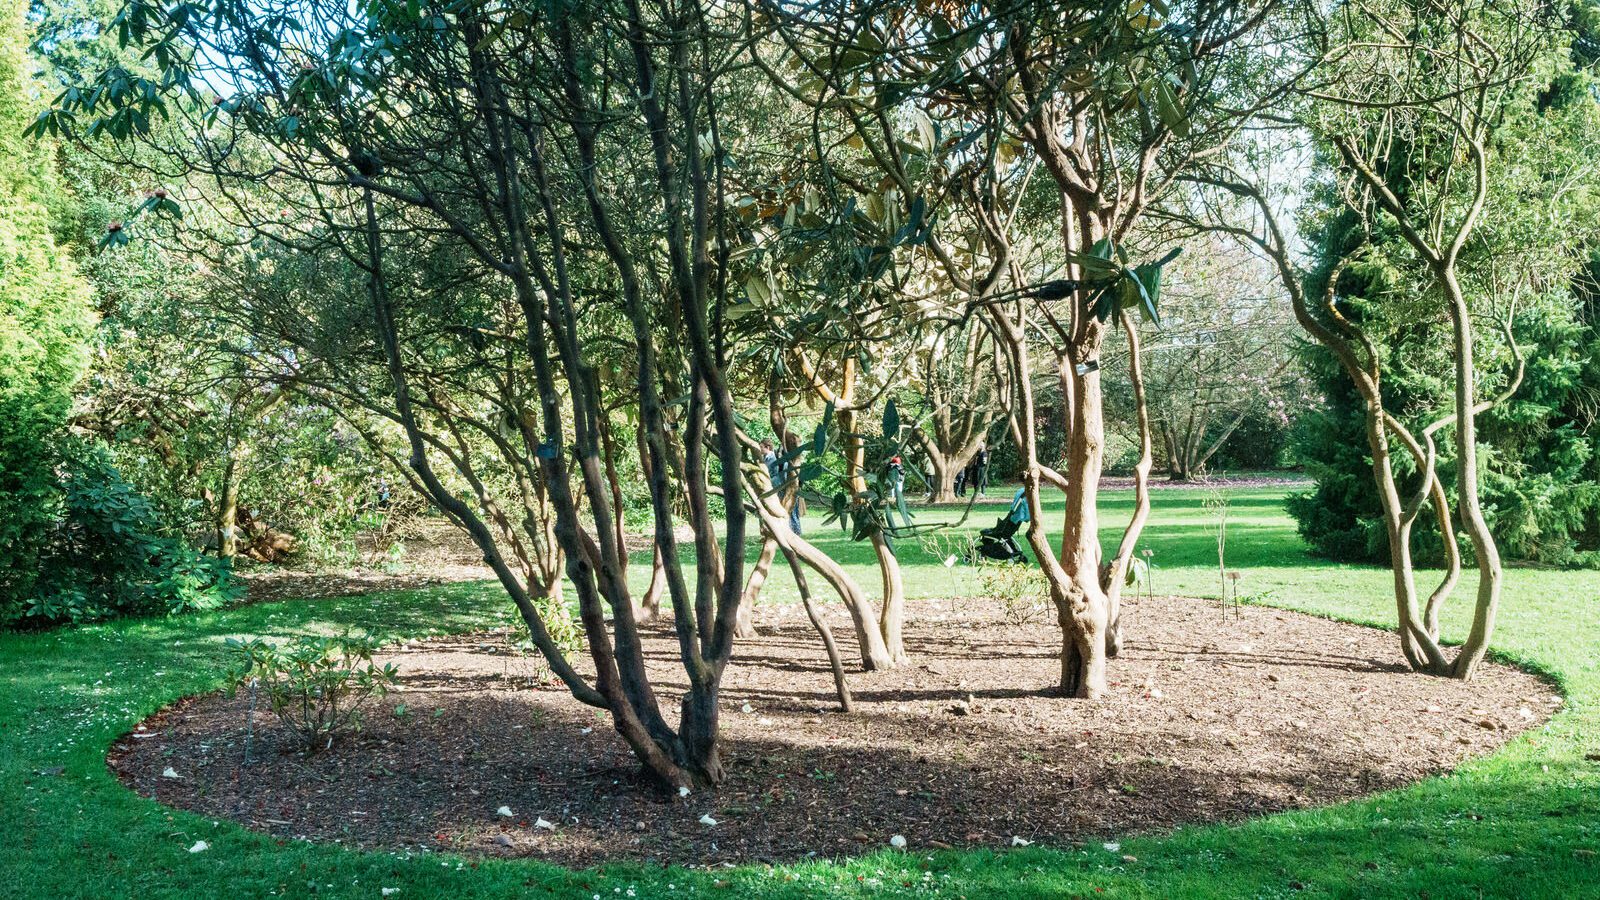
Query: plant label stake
[250, 721]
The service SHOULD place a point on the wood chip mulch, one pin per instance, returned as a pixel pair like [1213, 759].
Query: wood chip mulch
[1207, 720]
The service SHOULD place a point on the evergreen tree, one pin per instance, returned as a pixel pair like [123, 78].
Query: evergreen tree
[1536, 258]
[46, 324]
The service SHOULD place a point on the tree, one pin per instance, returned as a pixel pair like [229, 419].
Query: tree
[46, 323]
[1439, 82]
[1410, 104]
[1525, 258]
[1223, 358]
[468, 137]
[956, 107]
[961, 387]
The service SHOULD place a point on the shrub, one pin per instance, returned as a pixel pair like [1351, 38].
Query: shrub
[317, 686]
[1017, 586]
[106, 554]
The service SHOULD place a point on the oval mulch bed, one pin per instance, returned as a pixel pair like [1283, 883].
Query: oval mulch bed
[1207, 720]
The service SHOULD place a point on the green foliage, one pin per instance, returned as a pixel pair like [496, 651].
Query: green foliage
[45, 325]
[317, 686]
[77, 542]
[106, 554]
[1538, 451]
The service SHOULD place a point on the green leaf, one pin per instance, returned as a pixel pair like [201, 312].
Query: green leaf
[1147, 278]
[891, 420]
[1098, 261]
[819, 439]
[1170, 110]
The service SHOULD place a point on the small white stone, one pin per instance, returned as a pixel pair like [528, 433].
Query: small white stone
[898, 841]
[747, 708]
[683, 790]
[707, 820]
[505, 811]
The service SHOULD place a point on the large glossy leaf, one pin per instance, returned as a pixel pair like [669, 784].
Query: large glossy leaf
[1170, 110]
[1098, 261]
[819, 439]
[1147, 280]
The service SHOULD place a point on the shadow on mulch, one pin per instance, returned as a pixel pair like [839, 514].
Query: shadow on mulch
[1206, 721]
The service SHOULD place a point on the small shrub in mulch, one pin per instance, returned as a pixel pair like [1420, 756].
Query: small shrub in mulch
[1207, 721]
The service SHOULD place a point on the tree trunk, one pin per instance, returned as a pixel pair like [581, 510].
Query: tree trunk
[228, 506]
[1083, 609]
[1074, 578]
[942, 472]
[1115, 573]
[1179, 466]
[1490, 572]
[892, 612]
[1420, 654]
[846, 704]
[874, 655]
[745, 625]
[650, 601]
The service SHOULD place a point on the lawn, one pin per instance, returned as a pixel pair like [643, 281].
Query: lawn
[1524, 822]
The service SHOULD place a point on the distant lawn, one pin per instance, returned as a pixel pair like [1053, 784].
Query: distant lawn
[1524, 822]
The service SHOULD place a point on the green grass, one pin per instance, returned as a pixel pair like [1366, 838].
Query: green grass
[1524, 822]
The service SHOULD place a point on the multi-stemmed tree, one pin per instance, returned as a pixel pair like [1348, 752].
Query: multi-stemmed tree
[1410, 106]
[543, 178]
[957, 107]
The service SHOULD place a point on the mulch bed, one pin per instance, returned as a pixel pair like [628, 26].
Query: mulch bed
[1207, 720]
[437, 552]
